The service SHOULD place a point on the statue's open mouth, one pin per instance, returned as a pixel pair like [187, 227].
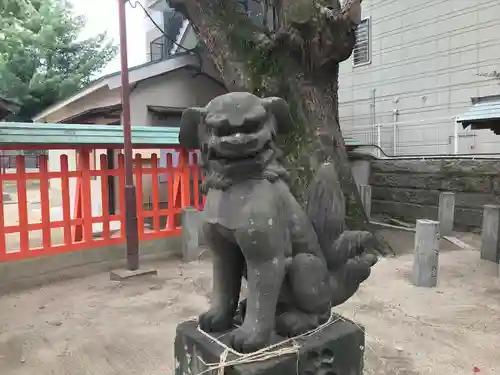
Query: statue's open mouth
[240, 148]
[242, 157]
[242, 162]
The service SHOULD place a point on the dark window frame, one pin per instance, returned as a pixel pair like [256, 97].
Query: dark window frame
[362, 51]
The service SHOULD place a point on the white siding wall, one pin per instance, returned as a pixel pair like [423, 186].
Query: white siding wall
[426, 60]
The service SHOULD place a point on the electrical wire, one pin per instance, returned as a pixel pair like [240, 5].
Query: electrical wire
[138, 3]
[195, 50]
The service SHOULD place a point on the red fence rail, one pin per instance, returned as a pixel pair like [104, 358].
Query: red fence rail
[76, 229]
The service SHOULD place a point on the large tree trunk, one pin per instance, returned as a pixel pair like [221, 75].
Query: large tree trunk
[300, 63]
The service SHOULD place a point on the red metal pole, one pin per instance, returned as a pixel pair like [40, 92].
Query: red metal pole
[132, 235]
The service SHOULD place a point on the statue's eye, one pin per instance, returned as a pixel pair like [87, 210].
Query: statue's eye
[250, 126]
[223, 130]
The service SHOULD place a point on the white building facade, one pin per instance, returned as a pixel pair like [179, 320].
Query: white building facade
[417, 66]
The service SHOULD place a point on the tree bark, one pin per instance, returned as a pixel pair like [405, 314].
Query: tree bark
[300, 63]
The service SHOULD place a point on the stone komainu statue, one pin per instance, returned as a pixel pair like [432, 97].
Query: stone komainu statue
[298, 264]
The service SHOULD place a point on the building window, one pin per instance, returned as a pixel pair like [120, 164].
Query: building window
[161, 48]
[362, 48]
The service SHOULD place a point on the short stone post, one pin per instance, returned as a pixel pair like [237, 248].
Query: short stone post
[366, 198]
[190, 237]
[446, 214]
[425, 262]
[490, 238]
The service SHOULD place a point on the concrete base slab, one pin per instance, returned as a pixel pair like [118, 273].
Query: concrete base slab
[455, 241]
[123, 274]
[44, 270]
[390, 226]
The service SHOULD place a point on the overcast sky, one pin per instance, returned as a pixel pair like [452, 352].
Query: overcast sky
[102, 15]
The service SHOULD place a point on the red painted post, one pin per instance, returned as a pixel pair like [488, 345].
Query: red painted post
[106, 234]
[185, 179]
[84, 165]
[155, 192]
[196, 181]
[121, 194]
[3, 246]
[66, 205]
[44, 201]
[22, 204]
[140, 194]
[77, 231]
[170, 193]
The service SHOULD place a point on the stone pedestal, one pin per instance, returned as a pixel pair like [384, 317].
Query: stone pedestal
[446, 213]
[490, 237]
[425, 262]
[336, 350]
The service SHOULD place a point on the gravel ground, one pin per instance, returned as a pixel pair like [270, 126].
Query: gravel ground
[94, 326]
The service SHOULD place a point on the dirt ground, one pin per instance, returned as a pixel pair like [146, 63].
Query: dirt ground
[94, 326]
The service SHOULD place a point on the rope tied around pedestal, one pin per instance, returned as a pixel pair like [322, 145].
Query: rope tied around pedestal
[263, 354]
[222, 361]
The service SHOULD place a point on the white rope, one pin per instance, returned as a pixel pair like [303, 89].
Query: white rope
[263, 354]
[222, 362]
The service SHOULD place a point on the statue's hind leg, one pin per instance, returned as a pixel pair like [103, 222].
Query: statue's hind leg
[309, 286]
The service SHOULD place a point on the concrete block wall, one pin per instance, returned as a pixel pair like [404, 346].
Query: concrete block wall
[38, 271]
[409, 189]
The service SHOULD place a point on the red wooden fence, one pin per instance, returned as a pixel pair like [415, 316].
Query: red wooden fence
[182, 184]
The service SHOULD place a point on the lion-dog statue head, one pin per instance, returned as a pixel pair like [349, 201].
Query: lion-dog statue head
[236, 133]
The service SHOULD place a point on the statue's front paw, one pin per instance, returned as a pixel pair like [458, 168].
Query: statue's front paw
[215, 320]
[249, 340]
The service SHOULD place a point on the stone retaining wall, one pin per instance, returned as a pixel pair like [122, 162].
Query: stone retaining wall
[409, 189]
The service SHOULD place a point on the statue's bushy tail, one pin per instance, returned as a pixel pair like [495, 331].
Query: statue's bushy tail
[326, 211]
[344, 252]
[326, 206]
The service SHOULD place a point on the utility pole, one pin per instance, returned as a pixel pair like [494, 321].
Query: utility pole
[131, 232]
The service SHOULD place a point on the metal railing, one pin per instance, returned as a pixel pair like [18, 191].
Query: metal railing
[158, 49]
[429, 136]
